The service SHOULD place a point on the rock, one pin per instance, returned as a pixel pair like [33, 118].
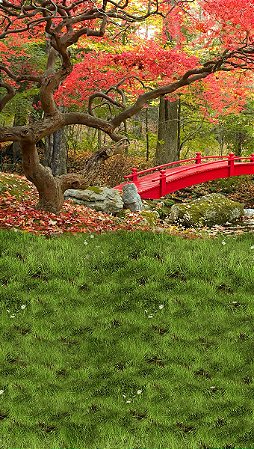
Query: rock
[249, 212]
[131, 198]
[102, 199]
[162, 207]
[210, 210]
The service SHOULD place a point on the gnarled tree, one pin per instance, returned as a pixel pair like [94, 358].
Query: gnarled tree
[62, 23]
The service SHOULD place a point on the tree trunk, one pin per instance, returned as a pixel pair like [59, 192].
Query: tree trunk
[51, 189]
[167, 144]
[99, 140]
[238, 145]
[56, 153]
[147, 135]
[14, 150]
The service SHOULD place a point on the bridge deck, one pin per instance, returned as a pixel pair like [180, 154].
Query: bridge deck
[159, 183]
[172, 174]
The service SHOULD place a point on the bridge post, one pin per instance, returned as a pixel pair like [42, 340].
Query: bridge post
[134, 176]
[163, 182]
[231, 164]
[252, 157]
[198, 158]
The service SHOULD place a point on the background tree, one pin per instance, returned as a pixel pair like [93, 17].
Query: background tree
[236, 132]
[167, 149]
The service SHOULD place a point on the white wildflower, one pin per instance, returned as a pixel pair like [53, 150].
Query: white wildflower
[161, 306]
[91, 236]
[128, 402]
[12, 316]
[23, 306]
[150, 316]
[139, 391]
[252, 247]
[1, 391]
[85, 242]
[223, 242]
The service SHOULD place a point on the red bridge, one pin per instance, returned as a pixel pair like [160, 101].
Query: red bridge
[163, 179]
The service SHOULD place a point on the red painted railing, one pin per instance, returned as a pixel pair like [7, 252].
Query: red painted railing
[198, 159]
[231, 163]
[158, 181]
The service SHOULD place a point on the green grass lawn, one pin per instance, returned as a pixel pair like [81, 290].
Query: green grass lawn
[126, 341]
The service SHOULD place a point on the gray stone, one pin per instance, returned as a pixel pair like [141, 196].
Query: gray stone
[210, 210]
[131, 198]
[102, 199]
[249, 212]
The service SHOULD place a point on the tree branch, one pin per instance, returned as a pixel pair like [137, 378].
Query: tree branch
[52, 78]
[18, 79]
[8, 96]
[143, 99]
[106, 97]
[71, 118]
[220, 64]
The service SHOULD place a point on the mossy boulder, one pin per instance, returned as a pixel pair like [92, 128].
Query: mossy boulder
[95, 189]
[210, 210]
[98, 198]
[150, 217]
[162, 207]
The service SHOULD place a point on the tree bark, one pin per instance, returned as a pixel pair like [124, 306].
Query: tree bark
[56, 153]
[147, 135]
[51, 189]
[14, 150]
[238, 145]
[167, 144]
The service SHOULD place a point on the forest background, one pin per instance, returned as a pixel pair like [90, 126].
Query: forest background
[159, 79]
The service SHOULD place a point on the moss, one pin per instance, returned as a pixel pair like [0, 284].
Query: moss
[13, 184]
[150, 216]
[3, 189]
[207, 211]
[162, 207]
[168, 202]
[163, 212]
[95, 189]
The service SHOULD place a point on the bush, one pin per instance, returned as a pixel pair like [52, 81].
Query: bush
[112, 171]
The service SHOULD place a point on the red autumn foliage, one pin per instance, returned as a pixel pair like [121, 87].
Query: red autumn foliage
[22, 215]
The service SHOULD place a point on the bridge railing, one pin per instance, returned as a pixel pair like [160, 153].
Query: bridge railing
[135, 173]
[198, 159]
[231, 160]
